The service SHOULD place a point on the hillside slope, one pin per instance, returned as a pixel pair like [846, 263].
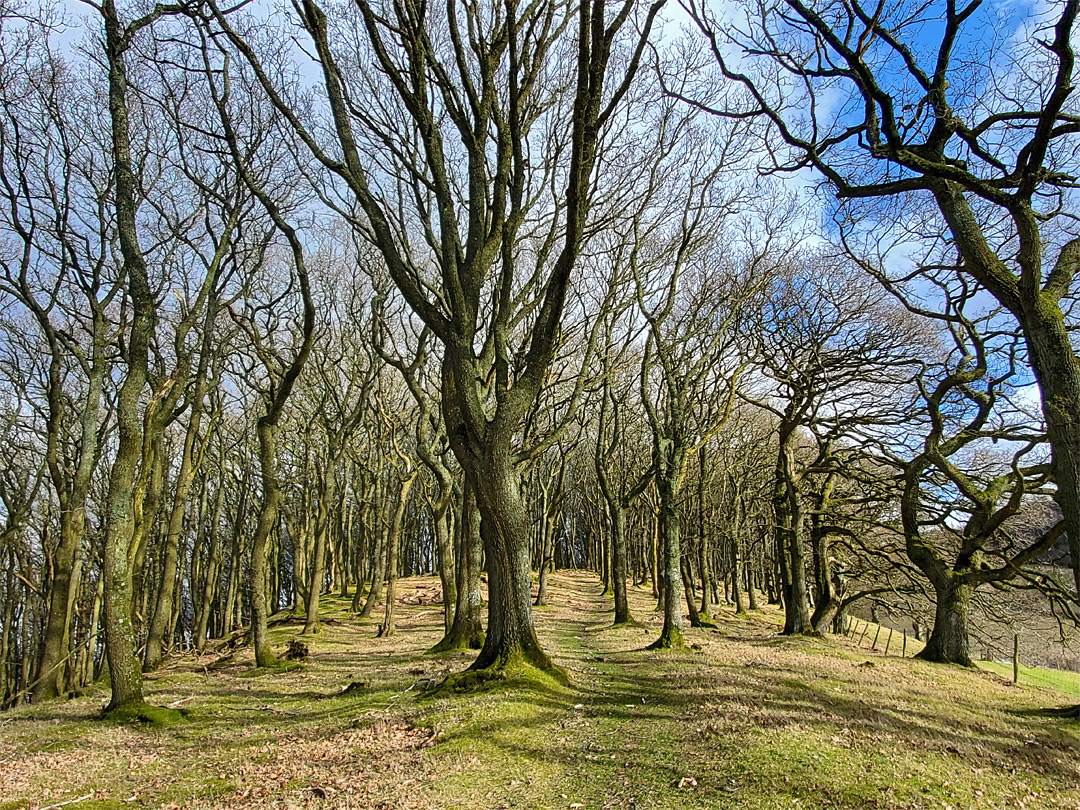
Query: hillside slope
[749, 720]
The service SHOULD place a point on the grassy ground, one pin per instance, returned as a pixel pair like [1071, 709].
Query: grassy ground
[1058, 680]
[743, 720]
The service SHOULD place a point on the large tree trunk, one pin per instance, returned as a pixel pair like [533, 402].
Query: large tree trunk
[948, 642]
[511, 636]
[827, 602]
[124, 670]
[1054, 361]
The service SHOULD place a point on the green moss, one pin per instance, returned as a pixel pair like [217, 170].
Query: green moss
[516, 673]
[277, 668]
[144, 715]
[670, 640]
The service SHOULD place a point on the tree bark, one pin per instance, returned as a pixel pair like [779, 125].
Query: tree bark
[467, 631]
[948, 642]
[327, 494]
[787, 509]
[393, 541]
[671, 595]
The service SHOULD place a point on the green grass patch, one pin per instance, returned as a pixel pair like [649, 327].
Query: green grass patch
[1068, 683]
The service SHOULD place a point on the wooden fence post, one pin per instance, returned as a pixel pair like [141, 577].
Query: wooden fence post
[1016, 658]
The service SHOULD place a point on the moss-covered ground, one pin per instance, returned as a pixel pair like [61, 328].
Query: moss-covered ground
[742, 719]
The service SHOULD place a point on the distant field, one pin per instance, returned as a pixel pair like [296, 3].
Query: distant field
[1067, 683]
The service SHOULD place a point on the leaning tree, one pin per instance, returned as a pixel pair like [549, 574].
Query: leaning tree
[881, 101]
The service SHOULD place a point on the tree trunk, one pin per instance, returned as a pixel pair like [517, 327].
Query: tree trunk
[671, 596]
[688, 590]
[618, 542]
[751, 590]
[213, 567]
[787, 509]
[124, 670]
[163, 605]
[322, 538]
[467, 631]
[827, 604]
[511, 636]
[1056, 366]
[703, 539]
[260, 544]
[393, 540]
[546, 530]
[948, 642]
[378, 543]
[447, 565]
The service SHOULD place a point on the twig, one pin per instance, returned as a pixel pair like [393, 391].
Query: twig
[399, 695]
[89, 795]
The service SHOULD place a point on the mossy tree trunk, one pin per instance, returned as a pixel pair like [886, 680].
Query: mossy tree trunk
[124, 670]
[669, 457]
[948, 642]
[72, 508]
[790, 530]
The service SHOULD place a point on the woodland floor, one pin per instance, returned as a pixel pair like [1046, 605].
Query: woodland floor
[749, 720]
